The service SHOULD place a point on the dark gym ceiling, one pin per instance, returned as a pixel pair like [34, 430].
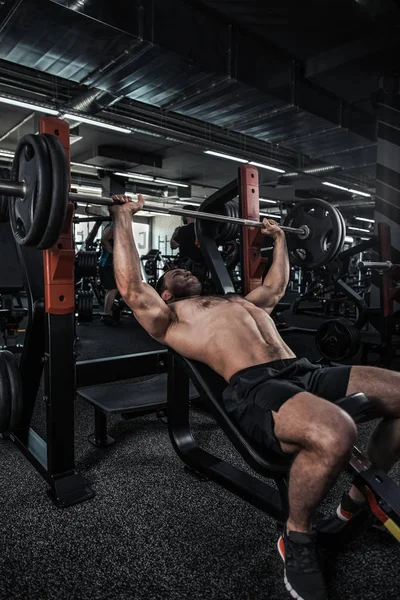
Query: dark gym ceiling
[284, 83]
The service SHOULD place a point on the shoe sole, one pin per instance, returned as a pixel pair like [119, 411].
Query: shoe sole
[289, 588]
[343, 517]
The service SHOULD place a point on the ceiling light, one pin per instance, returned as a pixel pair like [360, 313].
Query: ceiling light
[271, 216]
[157, 180]
[364, 219]
[365, 239]
[7, 155]
[87, 189]
[266, 200]
[96, 123]
[135, 176]
[189, 203]
[227, 156]
[358, 229]
[345, 189]
[256, 164]
[36, 107]
[360, 193]
[77, 164]
[145, 132]
[339, 187]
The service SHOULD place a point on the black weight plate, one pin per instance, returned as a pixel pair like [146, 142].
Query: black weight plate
[329, 274]
[341, 243]
[60, 190]
[337, 339]
[5, 397]
[16, 388]
[29, 215]
[4, 200]
[326, 233]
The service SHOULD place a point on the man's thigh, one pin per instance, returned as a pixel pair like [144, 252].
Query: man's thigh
[306, 421]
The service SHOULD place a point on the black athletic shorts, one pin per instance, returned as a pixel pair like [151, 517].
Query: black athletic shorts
[107, 278]
[254, 392]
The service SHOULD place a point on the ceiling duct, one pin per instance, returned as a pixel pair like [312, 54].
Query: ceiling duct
[91, 102]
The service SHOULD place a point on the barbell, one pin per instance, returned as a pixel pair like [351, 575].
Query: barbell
[19, 191]
[38, 194]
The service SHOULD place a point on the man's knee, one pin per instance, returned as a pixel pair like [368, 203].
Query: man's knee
[317, 425]
[335, 441]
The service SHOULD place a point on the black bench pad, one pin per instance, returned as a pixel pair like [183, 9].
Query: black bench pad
[129, 395]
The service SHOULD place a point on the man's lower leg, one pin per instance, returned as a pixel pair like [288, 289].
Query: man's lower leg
[311, 477]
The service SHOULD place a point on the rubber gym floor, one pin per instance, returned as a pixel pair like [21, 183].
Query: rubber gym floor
[153, 531]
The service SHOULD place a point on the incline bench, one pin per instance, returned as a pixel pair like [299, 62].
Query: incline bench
[379, 489]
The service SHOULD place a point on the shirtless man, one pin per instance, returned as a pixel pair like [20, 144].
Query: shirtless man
[277, 399]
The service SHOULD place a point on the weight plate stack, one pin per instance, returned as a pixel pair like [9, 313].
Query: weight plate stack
[84, 306]
[338, 339]
[85, 264]
[4, 200]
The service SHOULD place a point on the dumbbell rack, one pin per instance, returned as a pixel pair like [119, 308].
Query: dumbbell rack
[48, 350]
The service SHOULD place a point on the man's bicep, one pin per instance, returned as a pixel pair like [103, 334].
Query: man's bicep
[264, 297]
[150, 310]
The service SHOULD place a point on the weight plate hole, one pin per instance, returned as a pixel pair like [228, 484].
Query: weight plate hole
[20, 227]
[29, 152]
[61, 298]
[59, 246]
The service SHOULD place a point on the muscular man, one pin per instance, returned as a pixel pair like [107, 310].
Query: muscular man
[277, 399]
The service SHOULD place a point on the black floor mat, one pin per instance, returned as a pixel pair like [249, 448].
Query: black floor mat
[153, 532]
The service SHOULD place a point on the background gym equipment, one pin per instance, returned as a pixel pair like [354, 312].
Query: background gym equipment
[39, 185]
[338, 339]
[85, 264]
[84, 306]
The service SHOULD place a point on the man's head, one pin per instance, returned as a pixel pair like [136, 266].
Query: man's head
[177, 284]
[188, 220]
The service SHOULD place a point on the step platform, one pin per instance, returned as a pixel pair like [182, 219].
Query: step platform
[129, 398]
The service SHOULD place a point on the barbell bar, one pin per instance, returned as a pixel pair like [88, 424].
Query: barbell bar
[378, 265]
[18, 189]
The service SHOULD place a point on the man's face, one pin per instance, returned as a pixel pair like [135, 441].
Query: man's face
[181, 284]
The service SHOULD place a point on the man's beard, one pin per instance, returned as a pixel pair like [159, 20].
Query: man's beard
[191, 288]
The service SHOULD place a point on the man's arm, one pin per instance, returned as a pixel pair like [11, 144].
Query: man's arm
[108, 234]
[149, 309]
[274, 285]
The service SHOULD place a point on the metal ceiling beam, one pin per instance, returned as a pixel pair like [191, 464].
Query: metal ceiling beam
[381, 36]
[229, 50]
[249, 60]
